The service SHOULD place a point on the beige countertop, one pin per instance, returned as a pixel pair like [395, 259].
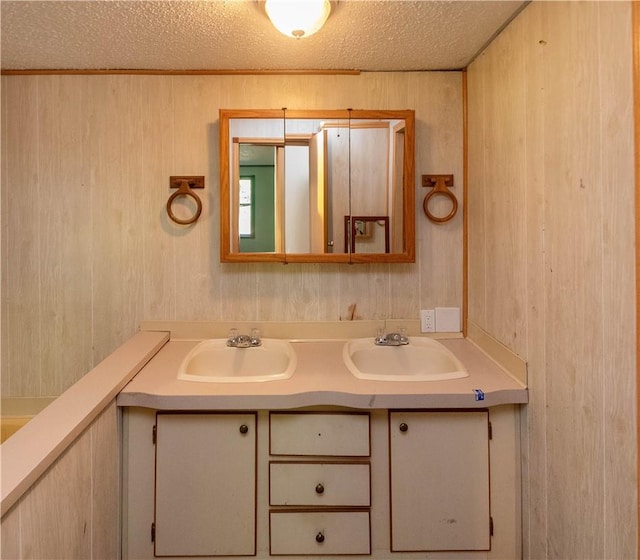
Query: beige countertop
[321, 379]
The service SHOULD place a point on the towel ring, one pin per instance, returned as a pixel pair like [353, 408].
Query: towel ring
[439, 184]
[184, 190]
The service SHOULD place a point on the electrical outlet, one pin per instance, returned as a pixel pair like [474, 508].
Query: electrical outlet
[427, 320]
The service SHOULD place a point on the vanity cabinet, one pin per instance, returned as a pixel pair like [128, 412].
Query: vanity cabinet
[205, 484]
[320, 505]
[384, 484]
[439, 480]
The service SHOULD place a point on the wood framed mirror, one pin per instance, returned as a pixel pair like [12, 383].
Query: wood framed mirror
[288, 179]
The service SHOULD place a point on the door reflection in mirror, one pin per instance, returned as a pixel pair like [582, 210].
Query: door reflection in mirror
[256, 198]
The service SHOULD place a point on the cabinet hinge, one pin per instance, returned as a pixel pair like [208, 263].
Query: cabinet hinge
[154, 435]
[153, 532]
[490, 431]
[491, 526]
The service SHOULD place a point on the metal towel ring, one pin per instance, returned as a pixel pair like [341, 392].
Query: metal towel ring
[184, 190]
[439, 184]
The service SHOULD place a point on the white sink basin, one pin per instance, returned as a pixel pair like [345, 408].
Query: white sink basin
[214, 362]
[423, 359]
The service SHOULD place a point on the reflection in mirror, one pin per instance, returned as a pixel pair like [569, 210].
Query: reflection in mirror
[256, 198]
[288, 179]
[366, 234]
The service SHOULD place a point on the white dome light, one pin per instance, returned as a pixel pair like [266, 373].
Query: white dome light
[298, 18]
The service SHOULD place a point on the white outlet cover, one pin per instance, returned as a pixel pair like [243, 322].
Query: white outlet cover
[427, 321]
[447, 319]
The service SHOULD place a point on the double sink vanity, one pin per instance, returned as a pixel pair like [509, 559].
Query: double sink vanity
[378, 446]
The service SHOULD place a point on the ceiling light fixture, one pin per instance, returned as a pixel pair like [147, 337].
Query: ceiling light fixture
[298, 18]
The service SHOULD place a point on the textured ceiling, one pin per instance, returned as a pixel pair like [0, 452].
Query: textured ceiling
[367, 35]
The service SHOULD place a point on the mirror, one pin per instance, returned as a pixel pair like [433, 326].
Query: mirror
[317, 186]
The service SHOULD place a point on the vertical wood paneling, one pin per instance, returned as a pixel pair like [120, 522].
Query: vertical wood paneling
[438, 136]
[293, 295]
[616, 112]
[193, 115]
[156, 147]
[574, 359]
[505, 179]
[476, 188]
[56, 513]
[534, 449]
[561, 111]
[367, 286]
[20, 210]
[405, 292]
[329, 291]
[10, 539]
[235, 284]
[65, 221]
[117, 202]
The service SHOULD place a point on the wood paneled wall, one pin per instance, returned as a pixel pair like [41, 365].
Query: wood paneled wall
[551, 262]
[88, 251]
[72, 512]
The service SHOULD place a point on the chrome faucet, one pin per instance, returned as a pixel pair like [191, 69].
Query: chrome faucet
[236, 340]
[391, 339]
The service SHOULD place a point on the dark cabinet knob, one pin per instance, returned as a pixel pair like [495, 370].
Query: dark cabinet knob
[404, 427]
[320, 537]
[244, 429]
[320, 488]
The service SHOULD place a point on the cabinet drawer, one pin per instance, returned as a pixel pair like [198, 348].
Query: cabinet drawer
[319, 434]
[319, 484]
[315, 533]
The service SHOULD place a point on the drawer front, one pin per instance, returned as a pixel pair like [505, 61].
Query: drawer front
[319, 434]
[319, 484]
[319, 533]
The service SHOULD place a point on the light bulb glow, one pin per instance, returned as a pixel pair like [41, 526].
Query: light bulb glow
[298, 18]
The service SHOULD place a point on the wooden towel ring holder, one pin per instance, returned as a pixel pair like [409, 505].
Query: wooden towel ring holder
[185, 186]
[440, 185]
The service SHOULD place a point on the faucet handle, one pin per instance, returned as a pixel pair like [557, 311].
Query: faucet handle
[404, 339]
[255, 337]
[232, 337]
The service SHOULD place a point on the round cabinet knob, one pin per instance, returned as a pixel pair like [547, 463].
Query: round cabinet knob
[244, 429]
[404, 427]
[320, 488]
[320, 537]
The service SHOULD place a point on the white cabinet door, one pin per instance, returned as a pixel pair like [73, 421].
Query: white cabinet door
[439, 463]
[205, 485]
